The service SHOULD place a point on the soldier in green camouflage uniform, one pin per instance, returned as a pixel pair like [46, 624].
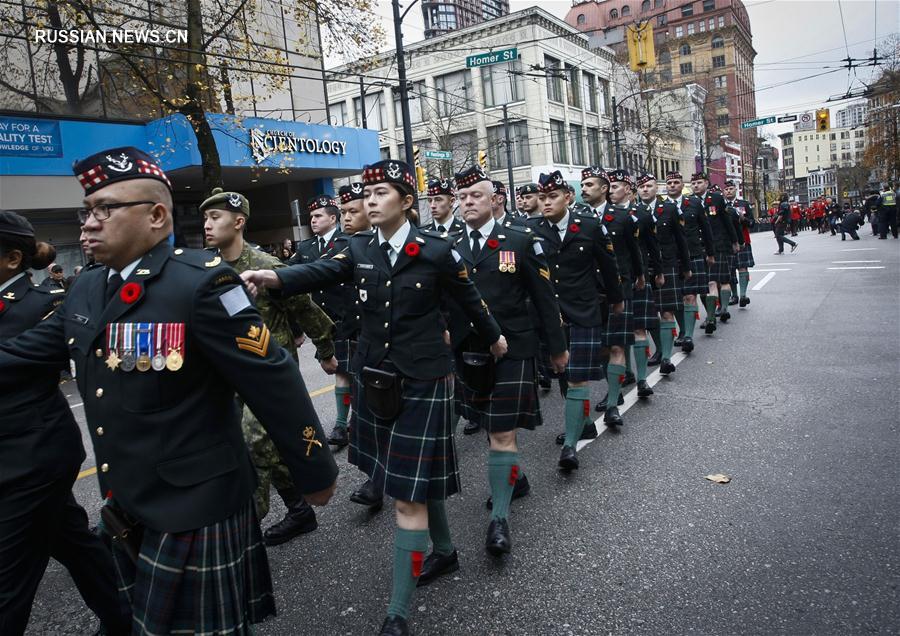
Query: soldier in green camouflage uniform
[225, 218]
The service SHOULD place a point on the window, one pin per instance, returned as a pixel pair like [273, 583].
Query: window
[665, 75]
[722, 121]
[718, 61]
[845, 145]
[502, 83]
[687, 68]
[833, 147]
[658, 4]
[462, 147]
[580, 19]
[685, 49]
[603, 94]
[679, 31]
[416, 103]
[712, 24]
[589, 88]
[845, 156]
[554, 81]
[718, 42]
[859, 133]
[626, 10]
[721, 81]
[613, 14]
[845, 135]
[443, 17]
[577, 136]
[558, 141]
[722, 101]
[721, 21]
[337, 114]
[573, 95]
[860, 144]
[702, 26]
[453, 92]
[709, 5]
[376, 117]
[664, 57]
[645, 6]
[661, 20]
[687, 10]
[595, 149]
[518, 135]
[690, 29]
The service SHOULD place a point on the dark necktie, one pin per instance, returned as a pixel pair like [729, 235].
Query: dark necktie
[441, 228]
[112, 286]
[386, 250]
[321, 246]
[476, 243]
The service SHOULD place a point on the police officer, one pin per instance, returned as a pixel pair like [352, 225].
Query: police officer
[577, 246]
[783, 222]
[402, 434]
[887, 212]
[747, 222]
[441, 199]
[529, 203]
[40, 454]
[225, 216]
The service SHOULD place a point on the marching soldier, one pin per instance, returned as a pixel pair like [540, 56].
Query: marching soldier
[745, 255]
[40, 454]
[577, 246]
[595, 189]
[403, 424]
[529, 203]
[225, 216]
[161, 339]
[508, 267]
[499, 206]
[783, 223]
[440, 193]
[575, 205]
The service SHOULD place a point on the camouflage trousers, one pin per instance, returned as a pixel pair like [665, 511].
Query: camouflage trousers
[270, 470]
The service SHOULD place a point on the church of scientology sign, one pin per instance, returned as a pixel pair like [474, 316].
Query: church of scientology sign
[264, 143]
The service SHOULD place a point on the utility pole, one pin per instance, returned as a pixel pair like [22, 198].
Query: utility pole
[616, 133]
[509, 166]
[401, 74]
[702, 158]
[362, 102]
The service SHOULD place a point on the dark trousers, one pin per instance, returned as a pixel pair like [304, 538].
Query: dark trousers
[851, 230]
[782, 239]
[887, 219]
[39, 521]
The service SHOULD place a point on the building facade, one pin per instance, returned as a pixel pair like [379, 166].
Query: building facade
[837, 147]
[883, 130]
[787, 153]
[851, 116]
[821, 182]
[443, 16]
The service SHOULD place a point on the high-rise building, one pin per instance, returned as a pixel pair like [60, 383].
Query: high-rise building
[851, 116]
[442, 16]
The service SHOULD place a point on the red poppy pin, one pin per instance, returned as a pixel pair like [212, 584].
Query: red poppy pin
[130, 292]
[659, 209]
[330, 245]
[2, 305]
[574, 228]
[493, 243]
[411, 249]
[608, 218]
[709, 199]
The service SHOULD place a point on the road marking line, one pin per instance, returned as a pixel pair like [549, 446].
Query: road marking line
[772, 264]
[859, 249]
[859, 267]
[631, 399]
[87, 473]
[839, 262]
[763, 282]
[773, 269]
[323, 390]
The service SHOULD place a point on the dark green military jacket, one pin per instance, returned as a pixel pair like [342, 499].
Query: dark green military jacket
[673, 246]
[721, 222]
[696, 227]
[622, 224]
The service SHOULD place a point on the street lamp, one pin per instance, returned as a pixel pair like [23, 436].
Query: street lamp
[615, 111]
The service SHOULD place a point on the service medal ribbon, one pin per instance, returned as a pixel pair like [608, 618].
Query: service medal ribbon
[159, 360]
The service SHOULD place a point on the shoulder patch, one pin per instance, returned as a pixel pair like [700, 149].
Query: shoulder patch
[536, 246]
[57, 291]
[195, 257]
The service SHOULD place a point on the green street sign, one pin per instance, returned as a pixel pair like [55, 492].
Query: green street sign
[494, 57]
[753, 123]
[444, 155]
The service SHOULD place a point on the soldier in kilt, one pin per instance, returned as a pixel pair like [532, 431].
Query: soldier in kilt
[595, 189]
[403, 386]
[225, 218]
[726, 243]
[577, 248]
[699, 240]
[646, 315]
[510, 271]
[747, 221]
[440, 200]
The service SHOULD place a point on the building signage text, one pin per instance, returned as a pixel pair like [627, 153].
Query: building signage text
[264, 143]
[30, 137]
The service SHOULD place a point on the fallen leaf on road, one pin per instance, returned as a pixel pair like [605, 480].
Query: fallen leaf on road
[719, 479]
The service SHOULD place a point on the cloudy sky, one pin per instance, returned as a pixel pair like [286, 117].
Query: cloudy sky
[793, 39]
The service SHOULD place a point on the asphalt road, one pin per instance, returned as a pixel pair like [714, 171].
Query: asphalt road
[796, 400]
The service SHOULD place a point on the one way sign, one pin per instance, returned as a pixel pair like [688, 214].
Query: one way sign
[784, 119]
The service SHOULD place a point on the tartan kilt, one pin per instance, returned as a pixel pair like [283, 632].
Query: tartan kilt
[512, 404]
[413, 455]
[223, 564]
[645, 313]
[343, 353]
[745, 257]
[620, 327]
[670, 297]
[585, 360]
[721, 270]
[699, 280]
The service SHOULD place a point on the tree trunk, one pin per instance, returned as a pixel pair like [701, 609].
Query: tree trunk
[67, 77]
[194, 109]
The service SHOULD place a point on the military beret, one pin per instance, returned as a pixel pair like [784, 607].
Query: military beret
[321, 201]
[351, 192]
[715, 188]
[729, 183]
[469, 177]
[674, 174]
[528, 188]
[440, 186]
[390, 171]
[13, 224]
[552, 181]
[499, 188]
[231, 201]
[117, 164]
[620, 175]
[594, 171]
[699, 175]
[645, 177]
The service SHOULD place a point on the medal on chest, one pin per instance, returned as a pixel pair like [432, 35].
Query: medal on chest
[158, 362]
[507, 261]
[142, 362]
[128, 360]
[175, 346]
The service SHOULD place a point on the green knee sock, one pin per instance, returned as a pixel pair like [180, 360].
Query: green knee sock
[577, 411]
[724, 298]
[627, 360]
[342, 400]
[690, 317]
[439, 527]
[743, 281]
[409, 554]
[615, 373]
[666, 327]
[503, 471]
[656, 336]
[640, 358]
[710, 308]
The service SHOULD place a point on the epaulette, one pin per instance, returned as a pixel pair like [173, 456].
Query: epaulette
[430, 233]
[92, 265]
[198, 258]
[521, 229]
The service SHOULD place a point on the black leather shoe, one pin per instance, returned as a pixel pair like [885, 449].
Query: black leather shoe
[679, 340]
[394, 626]
[437, 565]
[521, 489]
[471, 428]
[588, 432]
[644, 389]
[568, 458]
[600, 407]
[544, 383]
[612, 417]
[666, 367]
[339, 437]
[653, 360]
[300, 519]
[744, 301]
[709, 327]
[688, 345]
[725, 317]
[733, 301]
[498, 542]
[629, 378]
[367, 495]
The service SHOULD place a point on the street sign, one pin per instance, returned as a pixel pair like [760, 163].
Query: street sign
[807, 121]
[787, 119]
[753, 123]
[494, 57]
[444, 155]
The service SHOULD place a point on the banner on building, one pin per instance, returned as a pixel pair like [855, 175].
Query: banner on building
[641, 52]
[30, 137]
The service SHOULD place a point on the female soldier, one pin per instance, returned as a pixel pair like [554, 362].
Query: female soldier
[403, 389]
[40, 454]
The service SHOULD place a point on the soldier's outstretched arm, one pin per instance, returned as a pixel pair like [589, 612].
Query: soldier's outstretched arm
[307, 277]
[43, 346]
[314, 322]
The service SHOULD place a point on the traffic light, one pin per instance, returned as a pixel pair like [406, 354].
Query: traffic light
[420, 178]
[482, 159]
[416, 157]
[823, 122]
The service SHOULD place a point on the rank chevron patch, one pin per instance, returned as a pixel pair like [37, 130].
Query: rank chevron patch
[257, 340]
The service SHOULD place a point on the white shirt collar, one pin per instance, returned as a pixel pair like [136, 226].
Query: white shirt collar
[485, 229]
[126, 271]
[327, 237]
[398, 239]
[11, 281]
[563, 222]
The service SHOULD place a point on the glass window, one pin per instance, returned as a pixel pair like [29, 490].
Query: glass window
[690, 29]
[685, 49]
[376, 116]
[718, 42]
[337, 114]
[722, 120]
[659, 3]
[613, 14]
[416, 103]
[709, 5]
[518, 135]
[661, 19]
[712, 24]
[702, 26]
[645, 6]
[679, 31]
[687, 68]
[463, 147]
[721, 81]
[595, 150]
[834, 146]
[573, 95]
[453, 93]
[664, 57]
[580, 19]
[589, 86]
[502, 83]
[554, 81]
[665, 75]
[722, 101]
[687, 10]
[718, 61]
[577, 137]
[626, 10]
[721, 21]
[558, 141]
[845, 135]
